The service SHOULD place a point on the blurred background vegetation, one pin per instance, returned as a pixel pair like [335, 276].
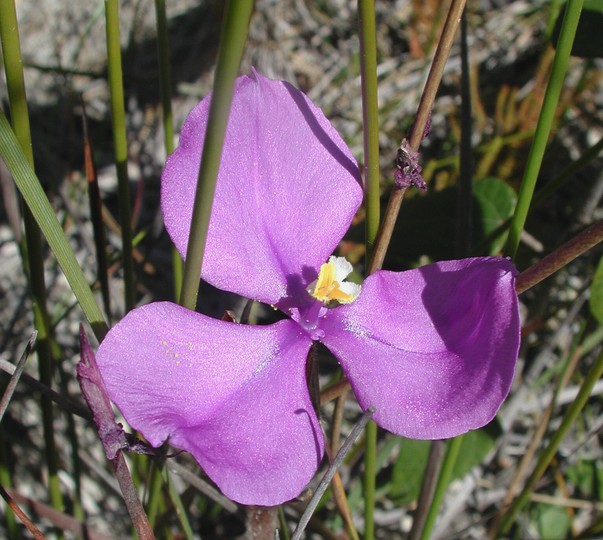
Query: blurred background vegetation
[314, 45]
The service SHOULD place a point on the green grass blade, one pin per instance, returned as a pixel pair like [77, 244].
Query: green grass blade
[370, 124]
[370, 114]
[547, 455]
[118, 119]
[33, 193]
[232, 41]
[165, 86]
[9, 34]
[452, 452]
[545, 123]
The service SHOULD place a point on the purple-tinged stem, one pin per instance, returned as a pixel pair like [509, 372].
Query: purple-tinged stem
[10, 387]
[261, 522]
[35, 532]
[418, 129]
[556, 260]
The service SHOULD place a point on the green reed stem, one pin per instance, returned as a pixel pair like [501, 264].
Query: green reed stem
[452, 452]
[10, 520]
[232, 41]
[569, 172]
[442, 470]
[541, 196]
[465, 182]
[98, 227]
[545, 123]
[165, 76]
[165, 87]
[178, 506]
[370, 473]
[13, 66]
[118, 119]
[557, 437]
[370, 117]
[35, 198]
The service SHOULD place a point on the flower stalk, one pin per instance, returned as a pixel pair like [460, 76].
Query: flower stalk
[232, 40]
[118, 119]
[370, 126]
[423, 112]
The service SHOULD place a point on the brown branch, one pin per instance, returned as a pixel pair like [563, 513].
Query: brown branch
[556, 260]
[423, 112]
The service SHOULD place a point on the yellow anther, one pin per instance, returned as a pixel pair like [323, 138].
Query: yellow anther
[330, 285]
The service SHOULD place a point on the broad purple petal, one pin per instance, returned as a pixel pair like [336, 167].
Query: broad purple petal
[234, 396]
[287, 190]
[433, 349]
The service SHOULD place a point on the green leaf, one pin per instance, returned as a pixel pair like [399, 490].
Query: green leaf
[476, 444]
[586, 476]
[427, 225]
[589, 37]
[407, 474]
[596, 293]
[552, 522]
[496, 201]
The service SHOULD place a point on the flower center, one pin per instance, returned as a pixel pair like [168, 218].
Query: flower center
[330, 286]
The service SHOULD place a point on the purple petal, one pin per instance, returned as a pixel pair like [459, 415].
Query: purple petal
[287, 190]
[432, 349]
[234, 396]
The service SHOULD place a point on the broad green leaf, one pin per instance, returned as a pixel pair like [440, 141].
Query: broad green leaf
[596, 293]
[407, 474]
[552, 522]
[427, 225]
[587, 477]
[496, 201]
[476, 444]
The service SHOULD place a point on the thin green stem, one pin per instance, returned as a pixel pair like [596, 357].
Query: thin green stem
[165, 76]
[430, 479]
[370, 472]
[452, 452]
[464, 199]
[370, 115]
[13, 65]
[545, 123]
[165, 87]
[427, 98]
[232, 41]
[155, 485]
[541, 196]
[118, 119]
[98, 227]
[557, 437]
[6, 480]
[437, 476]
[178, 506]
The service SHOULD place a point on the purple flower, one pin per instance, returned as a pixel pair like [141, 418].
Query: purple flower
[432, 349]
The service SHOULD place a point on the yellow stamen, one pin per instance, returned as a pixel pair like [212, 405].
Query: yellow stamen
[328, 288]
